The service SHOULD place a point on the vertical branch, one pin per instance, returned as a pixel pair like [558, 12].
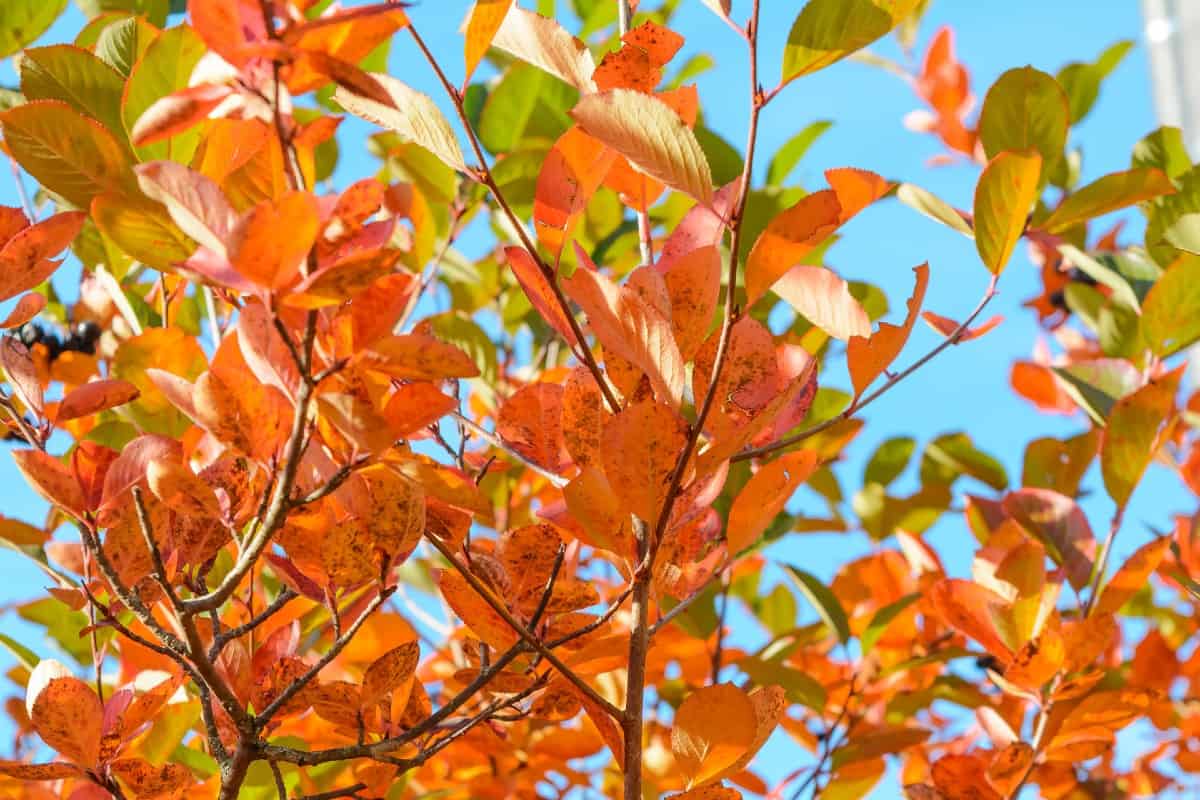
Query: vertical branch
[640, 634]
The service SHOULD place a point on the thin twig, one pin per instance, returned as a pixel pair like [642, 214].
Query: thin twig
[495, 441]
[891, 383]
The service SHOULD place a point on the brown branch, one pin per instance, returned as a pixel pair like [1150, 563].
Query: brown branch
[313, 757]
[335, 649]
[485, 177]
[892, 381]
[639, 639]
[537, 645]
[285, 596]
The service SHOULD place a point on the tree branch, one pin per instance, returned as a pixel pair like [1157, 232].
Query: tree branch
[950, 340]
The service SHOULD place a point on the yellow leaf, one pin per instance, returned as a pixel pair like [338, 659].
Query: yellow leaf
[1007, 190]
[653, 138]
[486, 18]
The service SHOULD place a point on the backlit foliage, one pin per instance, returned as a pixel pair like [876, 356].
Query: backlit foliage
[311, 536]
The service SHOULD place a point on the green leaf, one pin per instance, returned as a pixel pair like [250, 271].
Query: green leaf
[694, 66]
[889, 460]
[1132, 432]
[788, 156]
[933, 207]
[1082, 81]
[1108, 194]
[69, 154]
[723, 158]
[164, 68]
[799, 686]
[1025, 108]
[954, 454]
[1097, 385]
[526, 102]
[154, 10]
[827, 31]
[23, 21]
[121, 44]
[823, 600]
[141, 229]
[1171, 317]
[776, 610]
[1102, 274]
[1163, 149]
[75, 76]
[883, 617]
[26, 657]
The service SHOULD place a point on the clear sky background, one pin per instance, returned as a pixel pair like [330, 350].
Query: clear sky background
[964, 389]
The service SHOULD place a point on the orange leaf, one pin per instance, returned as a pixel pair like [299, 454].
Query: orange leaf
[1038, 385]
[176, 112]
[530, 421]
[639, 62]
[1059, 523]
[391, 673]
[694, 285]
[584, 416]
[174, 484]
[1132, 576]
[54, 771]
[825, 300]
[639, 449]
[148, 781]
[22, 375]
[764, 496]
[416, 406]
[869, 357]
[708, 793]
[475, 612]
[855, 189]
[787, 238]
[629, 326]
[65, 712]
[713, 729]
[415, 356]
[572, 171]
[51, 479]
[258, 251]
[486, 18]
[969, 608]
[1007, 190]
[94, 397]
[539, 291]
[28, 307]
[946, 326]
[25, 258]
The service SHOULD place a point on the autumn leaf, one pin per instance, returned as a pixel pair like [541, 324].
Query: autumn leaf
[94, 397]
[25, 259]
[626, 324]
[650, 135]
[546, 44]
[788, 237]
[713, 728]
[65, 712]
[1132, 435]
[868, 358]
[639, 448]
[823, 299]
[410, 114]
[1006, 192]
[1058, 523]
[764, 496]
[486, 18]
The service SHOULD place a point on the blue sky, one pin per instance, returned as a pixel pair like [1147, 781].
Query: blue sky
[967, 387]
